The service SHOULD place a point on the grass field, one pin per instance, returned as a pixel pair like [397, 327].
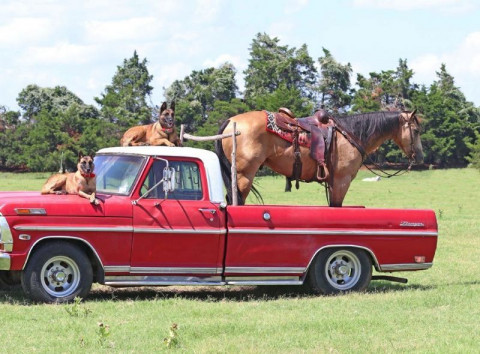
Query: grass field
[437, 311]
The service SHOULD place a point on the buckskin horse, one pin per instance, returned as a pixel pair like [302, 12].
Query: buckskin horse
[353, 138]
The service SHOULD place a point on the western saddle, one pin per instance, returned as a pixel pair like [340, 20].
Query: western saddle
[319, 128]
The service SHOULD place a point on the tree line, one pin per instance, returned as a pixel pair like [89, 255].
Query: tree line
[53, 124]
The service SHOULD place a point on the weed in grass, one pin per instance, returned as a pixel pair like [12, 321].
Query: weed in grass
[76, 310]
[172, 340]
[103, 332]
[440, 213]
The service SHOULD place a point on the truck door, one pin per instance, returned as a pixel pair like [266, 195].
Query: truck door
[182, 234]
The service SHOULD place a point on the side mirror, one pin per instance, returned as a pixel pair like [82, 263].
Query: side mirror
[168, 180]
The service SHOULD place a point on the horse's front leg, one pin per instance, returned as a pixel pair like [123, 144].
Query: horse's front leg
[338, 190]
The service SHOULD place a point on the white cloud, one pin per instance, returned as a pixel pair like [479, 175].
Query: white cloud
[26, 30]
[463, 63]
[465, 59]
[61, 53]
[293, 6]
[137, 28]
[207, 10]
[405, 5]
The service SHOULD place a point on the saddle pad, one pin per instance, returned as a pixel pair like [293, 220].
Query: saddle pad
[304, 138]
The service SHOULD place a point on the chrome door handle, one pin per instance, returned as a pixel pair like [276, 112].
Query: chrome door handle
[206, 210]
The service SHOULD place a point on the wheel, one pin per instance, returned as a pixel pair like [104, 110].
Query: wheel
[337, 270]
[57, 272]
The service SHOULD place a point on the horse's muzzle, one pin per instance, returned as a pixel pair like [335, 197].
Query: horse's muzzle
[419, 158]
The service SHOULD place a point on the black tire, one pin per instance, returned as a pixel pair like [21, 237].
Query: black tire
[9, 279]
[57, 272]
[340, 270]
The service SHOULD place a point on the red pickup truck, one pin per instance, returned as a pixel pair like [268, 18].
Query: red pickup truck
[162, 220]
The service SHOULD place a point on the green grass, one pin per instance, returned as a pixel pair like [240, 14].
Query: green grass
[437, 311]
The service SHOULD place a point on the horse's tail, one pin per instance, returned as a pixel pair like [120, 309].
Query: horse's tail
[226, 169]
[225, 166]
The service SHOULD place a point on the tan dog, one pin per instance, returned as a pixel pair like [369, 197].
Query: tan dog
[82, 182]
[159, 133]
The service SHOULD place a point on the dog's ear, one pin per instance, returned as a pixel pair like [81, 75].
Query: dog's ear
[80, 155]
[172, 106]
[164, 107]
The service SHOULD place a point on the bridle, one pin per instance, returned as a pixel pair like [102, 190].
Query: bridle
[411, 157]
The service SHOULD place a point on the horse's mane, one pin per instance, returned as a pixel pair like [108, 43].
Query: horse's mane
[363, 126]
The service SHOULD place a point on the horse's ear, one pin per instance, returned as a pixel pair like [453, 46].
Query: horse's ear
[172, 106]
[164, 107]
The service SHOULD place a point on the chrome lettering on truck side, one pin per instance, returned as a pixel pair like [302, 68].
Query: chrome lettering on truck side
[412, 224]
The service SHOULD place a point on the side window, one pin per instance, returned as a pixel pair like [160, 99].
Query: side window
[188, 184]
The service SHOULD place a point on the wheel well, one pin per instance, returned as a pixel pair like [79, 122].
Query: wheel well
[369, 252]
[97, 267]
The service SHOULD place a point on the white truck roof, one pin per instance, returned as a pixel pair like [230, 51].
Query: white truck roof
[209, 159]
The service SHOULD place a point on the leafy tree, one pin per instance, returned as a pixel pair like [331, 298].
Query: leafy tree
[33, 99]
[196, 95]
[272, 66]
[450, 122]
[124, 102]
[222, 110]
[385, 90]
[51, 128]
[334, 84]
[285, 97]
[474, 157]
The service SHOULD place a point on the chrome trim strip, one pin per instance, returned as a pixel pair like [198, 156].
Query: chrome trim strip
[6, 238]
[333, 232]
[60, 238]
[172, 270]
[406, 266]
[120, 229]
[117, 269]
[179, 231]
[159, 280]
[74, 228]
[5, 261]
[265, 270]
[161, 270]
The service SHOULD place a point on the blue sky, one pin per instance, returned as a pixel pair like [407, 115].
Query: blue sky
[79, 44]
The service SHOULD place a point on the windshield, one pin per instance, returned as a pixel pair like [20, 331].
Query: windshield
[116, 174]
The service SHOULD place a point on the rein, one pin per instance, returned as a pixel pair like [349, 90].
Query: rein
[351, 139]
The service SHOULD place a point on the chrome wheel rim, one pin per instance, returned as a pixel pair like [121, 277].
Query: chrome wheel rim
[60, 276]
[343, 270]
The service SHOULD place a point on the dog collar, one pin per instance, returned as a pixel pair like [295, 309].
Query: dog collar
[167, 130]
[88, 175]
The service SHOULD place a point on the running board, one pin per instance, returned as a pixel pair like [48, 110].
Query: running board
[125, 280]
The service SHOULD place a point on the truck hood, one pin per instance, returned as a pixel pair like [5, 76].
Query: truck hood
[54, 205]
